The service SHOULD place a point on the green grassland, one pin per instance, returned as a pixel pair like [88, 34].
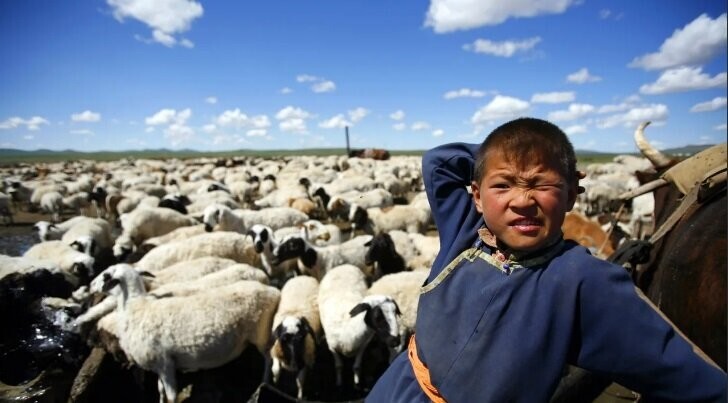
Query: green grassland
[16, 157]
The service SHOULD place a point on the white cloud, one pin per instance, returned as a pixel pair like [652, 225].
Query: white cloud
[187, 43]
[86, 116]
[397, 115]
[232, 118]
[209, 128]
[553, 97]
[501, 49]
[399, 126]
[177, 130]
[576, 129]
[28, 137]
[324, 86]
[655, 112]
[582, 76]
[419, 126]
[256, 133]
[286, 90]
[290, 112]
[463, 93]
[721, 127]
[294, 125]
[293, 120]
[709, 106]
[84, 132]
[30, 124]
[438, 133]
[575, 111]
[211, 100]
[260, 121]
[501, 107]
[336, 122]
[683, 79]
[604, 13]
[452, 15]
[166, 18]
[305, 78]
[696, 43]
[358, 114]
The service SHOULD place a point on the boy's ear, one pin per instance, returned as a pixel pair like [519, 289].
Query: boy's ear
[573, 192]
[476, 196]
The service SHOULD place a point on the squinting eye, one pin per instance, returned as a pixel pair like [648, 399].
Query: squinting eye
[501, 186]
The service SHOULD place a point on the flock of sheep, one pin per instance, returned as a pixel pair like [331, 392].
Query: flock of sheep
[200, 259]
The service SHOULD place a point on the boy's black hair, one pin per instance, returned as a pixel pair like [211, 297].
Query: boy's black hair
[525, 141]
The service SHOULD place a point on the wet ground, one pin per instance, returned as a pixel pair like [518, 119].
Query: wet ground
[17, 237]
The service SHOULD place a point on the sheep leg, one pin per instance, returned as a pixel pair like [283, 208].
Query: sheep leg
[339, 365]
[300, 378]
[357, 360]
[276, 369]
[167, 383]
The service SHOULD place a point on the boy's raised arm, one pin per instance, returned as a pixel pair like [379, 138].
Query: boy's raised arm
[447, 174]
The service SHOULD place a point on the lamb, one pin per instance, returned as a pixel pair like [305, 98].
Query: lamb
[342, 299]
[398, 217]
[145, 223]
[317, 260]
[340, 205]
[77, 202]
[383, 255]
[296, 329]
[48, 231]
[180, 333]
[67, 258]
[241, 220]
[264, 242]
[321, 234]
[307, 206]
[219, 244]
[52, 203]
[93, 235]
[404, 288]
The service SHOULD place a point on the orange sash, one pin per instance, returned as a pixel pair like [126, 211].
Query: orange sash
[422, 373]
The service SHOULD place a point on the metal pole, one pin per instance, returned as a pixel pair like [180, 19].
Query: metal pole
[348, 151]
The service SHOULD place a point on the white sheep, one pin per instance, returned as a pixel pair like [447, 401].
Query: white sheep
[228, 275]
[218, 244]
[68, 259]
[200, 331]
[48, 231]
[92, 235]
[321, 234]
[188, 270]
[317, 260]
[404, 287]
[350, 318]
[240, 220]
[296, 329]
[148, 222]
[52, 203]
[398, 217]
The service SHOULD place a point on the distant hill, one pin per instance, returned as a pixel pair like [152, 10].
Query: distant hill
[12, 156]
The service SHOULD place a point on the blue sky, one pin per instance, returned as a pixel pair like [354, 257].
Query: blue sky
[134, 74]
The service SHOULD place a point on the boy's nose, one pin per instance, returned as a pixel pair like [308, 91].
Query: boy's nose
[523, 198]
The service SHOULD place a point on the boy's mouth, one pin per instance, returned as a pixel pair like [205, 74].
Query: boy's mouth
[526, 224]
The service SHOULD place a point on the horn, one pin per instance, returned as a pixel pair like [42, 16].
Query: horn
[658, 159]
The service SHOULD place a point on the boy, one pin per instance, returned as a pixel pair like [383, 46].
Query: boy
[508, 303]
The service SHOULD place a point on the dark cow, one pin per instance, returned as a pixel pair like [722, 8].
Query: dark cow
[373, 153]
[686, 273]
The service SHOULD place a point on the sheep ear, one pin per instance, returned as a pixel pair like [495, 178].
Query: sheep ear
[307, 327]
[147, 274]
[278, 331]
[359, 308]
[109, 283]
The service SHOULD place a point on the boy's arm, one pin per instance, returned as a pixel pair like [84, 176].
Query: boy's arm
[447, 173]
[622, 334]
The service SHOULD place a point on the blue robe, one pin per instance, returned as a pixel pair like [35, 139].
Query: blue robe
[492, 331]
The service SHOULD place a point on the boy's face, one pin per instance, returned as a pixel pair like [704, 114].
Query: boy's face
[523, 207]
